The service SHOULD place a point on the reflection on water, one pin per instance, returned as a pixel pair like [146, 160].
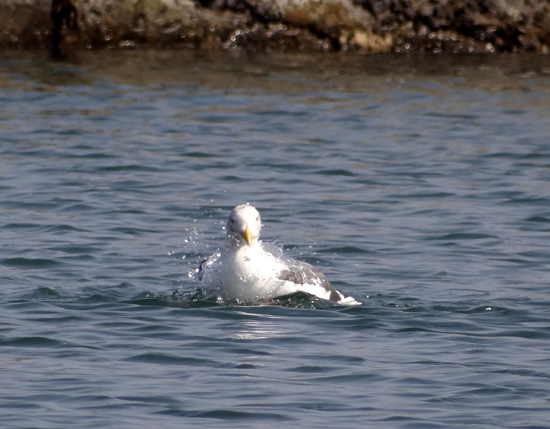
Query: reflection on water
[277, 73]
[254, 326]
[258, 329]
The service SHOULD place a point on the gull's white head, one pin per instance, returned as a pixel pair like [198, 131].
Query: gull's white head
[243, 226]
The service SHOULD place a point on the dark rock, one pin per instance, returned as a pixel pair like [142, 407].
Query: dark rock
[258, 25]
[65, 26]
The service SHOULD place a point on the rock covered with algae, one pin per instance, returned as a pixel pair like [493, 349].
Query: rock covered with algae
[267, 25]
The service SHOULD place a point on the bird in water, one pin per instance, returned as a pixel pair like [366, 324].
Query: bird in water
[246, 269]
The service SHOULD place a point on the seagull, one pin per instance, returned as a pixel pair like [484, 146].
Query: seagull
[247, 269]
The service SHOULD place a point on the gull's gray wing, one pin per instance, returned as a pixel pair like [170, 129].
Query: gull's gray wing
[301, 273]
[205, 264]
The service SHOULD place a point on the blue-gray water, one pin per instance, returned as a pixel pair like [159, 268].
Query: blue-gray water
[419, 185]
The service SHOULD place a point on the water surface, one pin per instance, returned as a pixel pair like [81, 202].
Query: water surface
[419, 185]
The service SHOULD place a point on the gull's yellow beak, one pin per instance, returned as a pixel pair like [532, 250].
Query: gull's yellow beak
[247, 235]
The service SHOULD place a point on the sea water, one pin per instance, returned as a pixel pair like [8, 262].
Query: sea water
[420, 185]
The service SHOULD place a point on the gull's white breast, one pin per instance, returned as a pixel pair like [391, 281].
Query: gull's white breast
[248, 273]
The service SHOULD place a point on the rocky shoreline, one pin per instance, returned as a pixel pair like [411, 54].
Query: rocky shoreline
[364, 26]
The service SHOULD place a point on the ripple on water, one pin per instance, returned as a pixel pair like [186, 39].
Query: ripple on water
[31, 263]
[31, 342]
